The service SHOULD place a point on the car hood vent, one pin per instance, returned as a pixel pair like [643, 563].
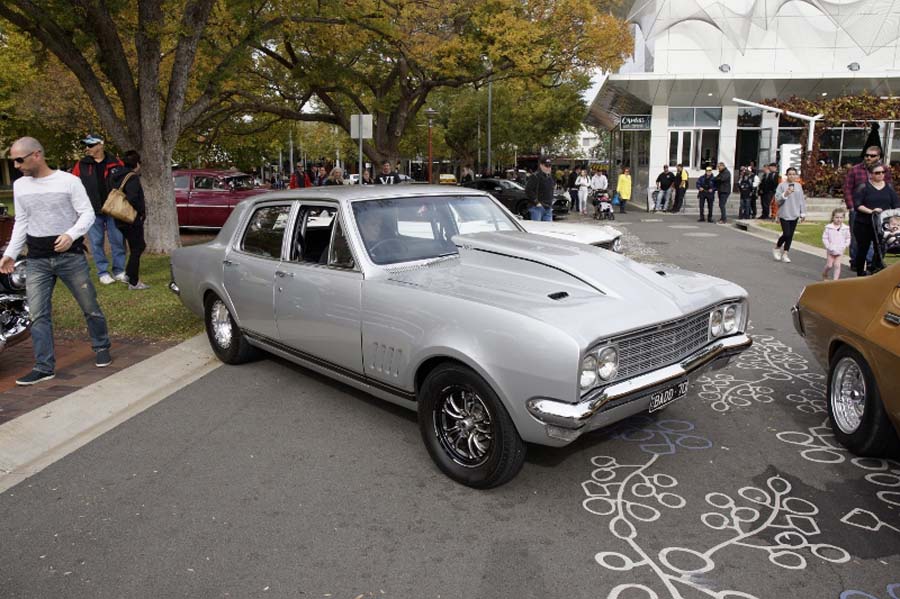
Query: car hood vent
[559, 295]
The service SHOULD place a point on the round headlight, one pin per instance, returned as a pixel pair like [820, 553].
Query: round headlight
[715, 323]
[729, 320]
[608, 363]
[588, 375]
[17, 277]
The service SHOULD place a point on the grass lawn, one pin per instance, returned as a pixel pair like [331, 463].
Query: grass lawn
[810, 233]
[152, 314]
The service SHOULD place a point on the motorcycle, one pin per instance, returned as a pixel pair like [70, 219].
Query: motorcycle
[15, 322]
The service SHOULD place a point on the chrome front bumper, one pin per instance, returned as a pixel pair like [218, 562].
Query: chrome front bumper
[798, 320]
[567, 421]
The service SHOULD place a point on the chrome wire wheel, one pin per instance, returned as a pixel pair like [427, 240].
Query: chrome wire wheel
[221, 323]
[463, 426]
[848, 395]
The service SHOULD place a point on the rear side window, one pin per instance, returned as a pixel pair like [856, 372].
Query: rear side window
[265, 231]
[181, 181]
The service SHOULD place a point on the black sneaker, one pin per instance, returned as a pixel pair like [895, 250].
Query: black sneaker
[103, 358]
[35, 376]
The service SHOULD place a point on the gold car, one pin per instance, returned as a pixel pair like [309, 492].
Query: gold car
[852, 327]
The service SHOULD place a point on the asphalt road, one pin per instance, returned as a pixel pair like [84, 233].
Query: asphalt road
[267, 480]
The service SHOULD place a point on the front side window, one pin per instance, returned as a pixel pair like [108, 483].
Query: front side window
[204, 182]
[265, 231]
[418, 228]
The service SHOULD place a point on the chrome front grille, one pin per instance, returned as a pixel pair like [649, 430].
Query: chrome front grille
[661, 346]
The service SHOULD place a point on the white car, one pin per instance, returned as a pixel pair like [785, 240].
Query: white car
[602, 236]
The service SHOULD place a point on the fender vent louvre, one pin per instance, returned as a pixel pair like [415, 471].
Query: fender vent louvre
[559, 295]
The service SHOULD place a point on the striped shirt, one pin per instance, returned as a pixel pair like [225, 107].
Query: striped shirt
[48, 207]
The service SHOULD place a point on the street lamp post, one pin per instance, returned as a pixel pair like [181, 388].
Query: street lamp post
[430, 113]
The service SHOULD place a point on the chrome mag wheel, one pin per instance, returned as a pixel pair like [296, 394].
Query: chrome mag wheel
[848, 395]
[463, 426]
[221, 323]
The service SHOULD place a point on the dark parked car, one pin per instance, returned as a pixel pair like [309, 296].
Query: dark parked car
[205, 197]
[512, 195]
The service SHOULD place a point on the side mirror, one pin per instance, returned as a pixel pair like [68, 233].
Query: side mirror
[498, 188]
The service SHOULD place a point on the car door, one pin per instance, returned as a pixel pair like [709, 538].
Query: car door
[883, 334]
[319, 289]
[251, 264]
[210, 201]
[182, 182]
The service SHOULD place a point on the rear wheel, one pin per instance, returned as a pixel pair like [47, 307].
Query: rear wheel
[466, 429]
[226, 339]
[855, 409]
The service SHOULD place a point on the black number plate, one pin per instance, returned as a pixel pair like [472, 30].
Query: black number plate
[661, 399]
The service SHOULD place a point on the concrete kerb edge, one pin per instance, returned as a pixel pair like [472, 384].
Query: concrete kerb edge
[35, 440]
[762, 233]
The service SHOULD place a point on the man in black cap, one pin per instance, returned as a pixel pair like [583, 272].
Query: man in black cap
[94, 170]
[540, 188]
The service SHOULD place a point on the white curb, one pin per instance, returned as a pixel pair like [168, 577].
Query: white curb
[33, 441]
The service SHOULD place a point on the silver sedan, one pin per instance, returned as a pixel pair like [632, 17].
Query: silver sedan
[436, 299]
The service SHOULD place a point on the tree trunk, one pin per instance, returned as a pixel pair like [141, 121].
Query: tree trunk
[161, 227]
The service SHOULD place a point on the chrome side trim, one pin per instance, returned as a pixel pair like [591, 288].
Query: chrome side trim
[798, 320]
[575, 416]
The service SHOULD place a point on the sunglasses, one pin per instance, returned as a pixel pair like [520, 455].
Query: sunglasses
[877, 172]
[873, 155]
[92, 145]
[21, 159]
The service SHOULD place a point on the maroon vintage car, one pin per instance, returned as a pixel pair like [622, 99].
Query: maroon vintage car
[206, 197]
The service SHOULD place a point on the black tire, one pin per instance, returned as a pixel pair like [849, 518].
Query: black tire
[874, 435]
[233, 349]
[484, 417]
[522, 210]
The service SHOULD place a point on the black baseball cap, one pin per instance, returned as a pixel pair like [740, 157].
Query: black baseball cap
[546, 160]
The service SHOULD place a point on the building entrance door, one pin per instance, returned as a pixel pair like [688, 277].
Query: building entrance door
[747, 148]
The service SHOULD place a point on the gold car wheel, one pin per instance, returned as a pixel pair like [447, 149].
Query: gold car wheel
[848, 395]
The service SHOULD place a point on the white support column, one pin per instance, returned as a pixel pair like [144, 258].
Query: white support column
[728, 137]
[659, 143]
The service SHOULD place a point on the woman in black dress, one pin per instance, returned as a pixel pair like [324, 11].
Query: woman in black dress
[872, 197]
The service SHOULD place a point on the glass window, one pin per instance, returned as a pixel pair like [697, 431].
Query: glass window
[686, 140]
[312, 235]
[182, 181]
[201, 182]
[239, 183]
[830, 157]
[681, 117]
[854, 140]
[708, 117]
[831, 139]
[749, 117]
[418, 228]
[341, 256]
[789, 136]
[265, 231]
[673, 148]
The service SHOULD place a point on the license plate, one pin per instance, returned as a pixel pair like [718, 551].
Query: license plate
[661, 399]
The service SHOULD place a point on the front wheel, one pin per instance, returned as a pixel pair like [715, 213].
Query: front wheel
[226, 339]
[855, 410]
[466, 429]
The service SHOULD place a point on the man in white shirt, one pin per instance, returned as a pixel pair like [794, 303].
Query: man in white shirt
[53, 213]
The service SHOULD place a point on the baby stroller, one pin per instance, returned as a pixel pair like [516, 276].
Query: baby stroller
[603, 208]
[887, 233]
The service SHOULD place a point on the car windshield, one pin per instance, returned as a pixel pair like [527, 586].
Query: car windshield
[240, 183]
[513, 185]
[418, 228]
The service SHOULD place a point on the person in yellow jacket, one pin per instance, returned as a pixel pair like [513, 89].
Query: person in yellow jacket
[623, 188]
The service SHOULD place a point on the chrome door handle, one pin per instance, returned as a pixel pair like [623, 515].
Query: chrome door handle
[282, 274]
[227, 262]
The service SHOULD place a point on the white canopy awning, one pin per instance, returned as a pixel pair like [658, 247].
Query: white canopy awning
[636, 93]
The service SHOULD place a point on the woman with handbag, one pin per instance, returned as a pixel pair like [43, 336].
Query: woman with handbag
[129, 181]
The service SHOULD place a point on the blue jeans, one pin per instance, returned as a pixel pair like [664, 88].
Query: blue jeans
[663, 197]
[107, 223]
[723, 199]
[540, 213]
[40, 279]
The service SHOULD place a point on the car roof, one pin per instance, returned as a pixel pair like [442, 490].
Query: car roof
[353, 193]
[209, 171]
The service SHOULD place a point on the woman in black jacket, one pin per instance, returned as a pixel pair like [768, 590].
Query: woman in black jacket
[132, 232]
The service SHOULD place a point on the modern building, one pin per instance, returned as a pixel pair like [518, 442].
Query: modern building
[673, 100]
